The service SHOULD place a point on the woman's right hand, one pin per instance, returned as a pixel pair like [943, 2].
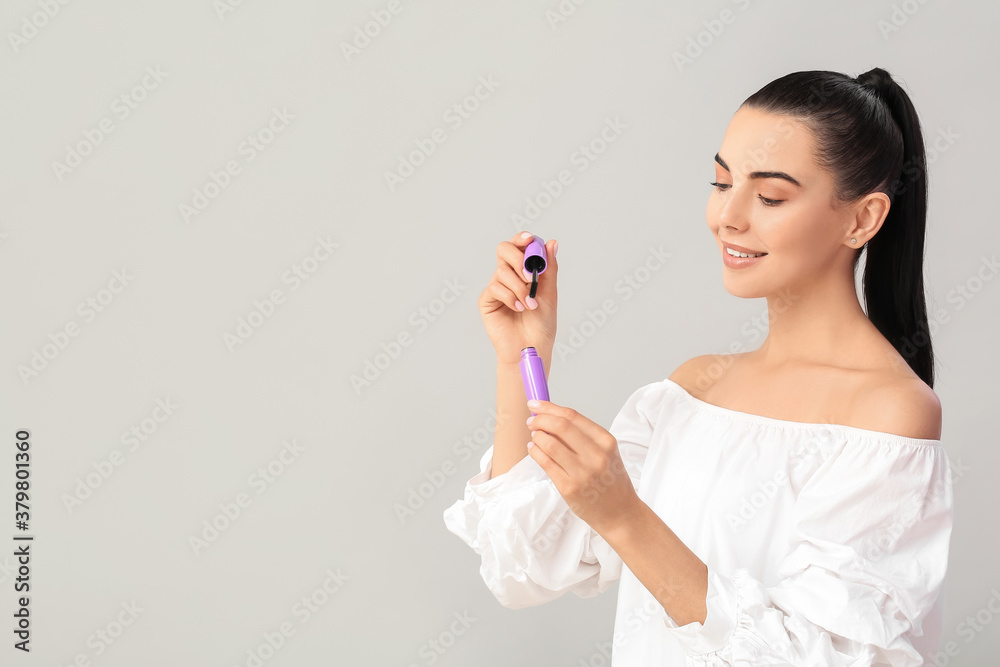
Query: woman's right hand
[510, 328]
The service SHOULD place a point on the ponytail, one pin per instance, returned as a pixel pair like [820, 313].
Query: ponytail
[868, 136]
[894, 278]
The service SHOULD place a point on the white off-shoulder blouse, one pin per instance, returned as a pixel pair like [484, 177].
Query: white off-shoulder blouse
[825, 544]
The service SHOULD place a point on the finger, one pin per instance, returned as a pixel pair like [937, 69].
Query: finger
[522, 239]
[559, 449]
[496, 291]
[513, 282]
[551, 467]
[512, 252]
[580, 423]
[547, 281]
[551, 265]
[572, 437]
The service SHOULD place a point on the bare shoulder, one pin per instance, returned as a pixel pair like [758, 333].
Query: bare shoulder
[697, 373]
[904, 406]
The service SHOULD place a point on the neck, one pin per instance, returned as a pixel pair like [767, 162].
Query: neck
[817, 323]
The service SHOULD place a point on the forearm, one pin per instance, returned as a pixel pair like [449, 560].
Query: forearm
[510, 440]
[676, 577]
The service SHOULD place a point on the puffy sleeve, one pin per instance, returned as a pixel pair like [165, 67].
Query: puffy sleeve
[533, 547]
[870, 536]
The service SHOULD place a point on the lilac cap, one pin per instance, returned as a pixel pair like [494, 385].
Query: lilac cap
[534, 256]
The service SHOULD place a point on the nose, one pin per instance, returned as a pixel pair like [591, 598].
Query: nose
[732, 212]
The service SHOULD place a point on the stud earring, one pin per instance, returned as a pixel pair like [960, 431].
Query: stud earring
[854, 240]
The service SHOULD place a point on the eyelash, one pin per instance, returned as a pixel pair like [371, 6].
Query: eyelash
[721, 187]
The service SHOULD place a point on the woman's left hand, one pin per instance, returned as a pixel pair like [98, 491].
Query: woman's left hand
[582, 459]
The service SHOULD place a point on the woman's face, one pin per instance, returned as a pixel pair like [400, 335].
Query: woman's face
[772, 198]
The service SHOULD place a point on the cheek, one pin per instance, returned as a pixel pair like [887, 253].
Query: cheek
[793, 238]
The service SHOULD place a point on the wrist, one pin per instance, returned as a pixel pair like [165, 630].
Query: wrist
[629, 526]
[545, 356]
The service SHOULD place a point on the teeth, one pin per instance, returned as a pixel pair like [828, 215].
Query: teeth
[734, 253]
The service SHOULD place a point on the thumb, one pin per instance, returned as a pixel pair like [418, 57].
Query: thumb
[547, 281]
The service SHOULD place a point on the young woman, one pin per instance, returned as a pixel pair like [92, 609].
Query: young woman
[786, 506]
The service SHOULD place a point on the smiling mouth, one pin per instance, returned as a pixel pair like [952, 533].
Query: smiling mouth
[737, 253]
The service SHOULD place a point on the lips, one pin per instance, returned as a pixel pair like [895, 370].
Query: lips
[739, 248]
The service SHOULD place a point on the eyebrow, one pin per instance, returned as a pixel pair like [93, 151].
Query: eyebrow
[761, 174]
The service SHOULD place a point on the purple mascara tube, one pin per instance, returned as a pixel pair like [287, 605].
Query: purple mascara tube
[533, 374]
[535, 261]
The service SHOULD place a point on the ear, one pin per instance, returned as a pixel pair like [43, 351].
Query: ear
[869, 214]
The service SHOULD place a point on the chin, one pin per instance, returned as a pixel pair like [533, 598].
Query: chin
[744, 289]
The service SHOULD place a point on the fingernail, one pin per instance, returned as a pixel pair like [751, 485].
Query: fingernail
[555, 248]
[531, 303]
[531, 444]
[526, 235]
[533, 434]
[519, 305]
[533, 403]
[527, 274]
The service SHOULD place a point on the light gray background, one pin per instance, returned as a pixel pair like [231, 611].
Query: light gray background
[362, 452]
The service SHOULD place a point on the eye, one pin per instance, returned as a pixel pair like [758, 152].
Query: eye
[722, 187]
